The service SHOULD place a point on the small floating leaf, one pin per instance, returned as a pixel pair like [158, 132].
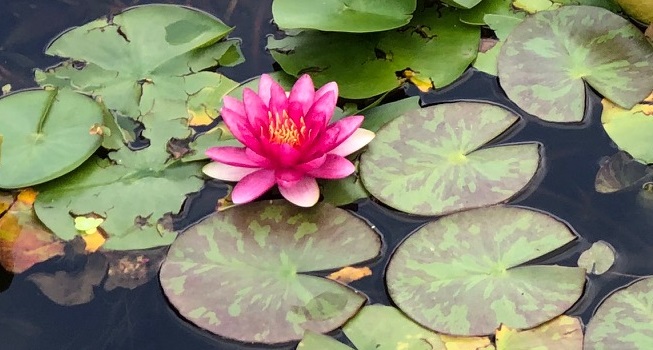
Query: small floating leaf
[356, 16]
[597, 259]
[545, 60]
[428, 161]
[241, 273]
[562, 332]
[630, 129]
[45, 135]
[464, 275]
[620, 171]
[624, 319]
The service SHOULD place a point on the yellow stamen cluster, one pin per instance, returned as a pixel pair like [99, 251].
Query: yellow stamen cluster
[282, 129]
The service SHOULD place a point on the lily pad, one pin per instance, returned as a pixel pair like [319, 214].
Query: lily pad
[562, 332]
[464, 275]
[434, 48]
[241, 273]
[475, 16]
[619, 172]
[146, 63]
[630, 129]
[598, 259]
[386, 328]
[546, 59]
[428, 161]
[624, 320]
[463, 4]
[317, 341]
[502, 25]
[357, 16]
[45, 135]
[133, 193]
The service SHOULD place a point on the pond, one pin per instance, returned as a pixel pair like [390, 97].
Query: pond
[477, 208]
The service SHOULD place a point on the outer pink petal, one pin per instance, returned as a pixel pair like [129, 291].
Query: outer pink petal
[226, 172]
[356, 141]
[235, 156]
[257, 158]
[312, 164]
[286, 177]
[303, 193]
[303, 92]
[253, 186]
[236, 123]
[321, 111]
[330, 87]
[257, 111]
[347, 126]
[235, 105]
[335, 167]
[264, 85]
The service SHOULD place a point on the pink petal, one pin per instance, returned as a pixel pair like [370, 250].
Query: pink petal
[236, 123]
[283, 155]
[303, 193]
[324, 142]
[285, 177]
[264, 85]
[235, 156]
[262, 161]
[335, 167]
[312, 164]
[347, 126]
[235, 105]
[321, 111]
[257, 111]
[253, 186]
[356, 141]
[303, 92]
[226, 172]
[278, 100]
[330, 87]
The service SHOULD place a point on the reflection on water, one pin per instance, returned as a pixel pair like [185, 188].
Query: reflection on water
[142, 319]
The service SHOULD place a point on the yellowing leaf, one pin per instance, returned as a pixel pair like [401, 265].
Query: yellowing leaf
[93, 241]
[563, 332]
[199, 118]
[88, 225]
[27, 196]
[423, 84]
[466, 343]
[349, 274]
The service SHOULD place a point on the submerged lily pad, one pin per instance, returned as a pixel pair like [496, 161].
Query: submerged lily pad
[435, 49]
[45, 135]
[357, 16]
[241, 273]
[620, 171]
[624, 320]
[428, 161]
[562, 332]
[630, 129]
[464, 275]
[546, 59]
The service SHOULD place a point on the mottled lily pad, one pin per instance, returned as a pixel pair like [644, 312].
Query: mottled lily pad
[598, 259]
[355, 16]
[624, 320]
[317, 341]
[386, 328]
[428, 161]
[562, 332]
[241, 273]
[45, 135]
[502, 26]
[619, 172]
[546, 59]
[464, 275]
[432, 49]
[630, 129]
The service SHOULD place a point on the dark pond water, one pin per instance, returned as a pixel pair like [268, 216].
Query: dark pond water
[142, 319]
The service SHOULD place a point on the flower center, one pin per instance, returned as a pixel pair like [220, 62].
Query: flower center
[283, 129]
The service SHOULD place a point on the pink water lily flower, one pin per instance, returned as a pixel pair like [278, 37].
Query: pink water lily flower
[288, 141]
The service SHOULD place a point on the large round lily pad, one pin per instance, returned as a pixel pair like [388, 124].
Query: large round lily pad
[624, 320]
[462, 274]
[428, 161]
[45, 134]
[357, 16]
[241, 273]
[435, 48]
[545, 60]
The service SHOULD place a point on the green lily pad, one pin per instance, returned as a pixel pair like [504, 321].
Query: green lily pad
[357, 16]
[624, 320]
[317, 341]
[386, 328]
[378, 116]
[475, 16]
[133, 196]
[545, 60]
[437, 49]
[428, 161]
[619, 172]
[241, 273]
[598, 259]
[502, 25]
[562, 332]
[463, 4]
[45, 135]
[464, 275]
[630, 129]
[533, 6]
[146, 63]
